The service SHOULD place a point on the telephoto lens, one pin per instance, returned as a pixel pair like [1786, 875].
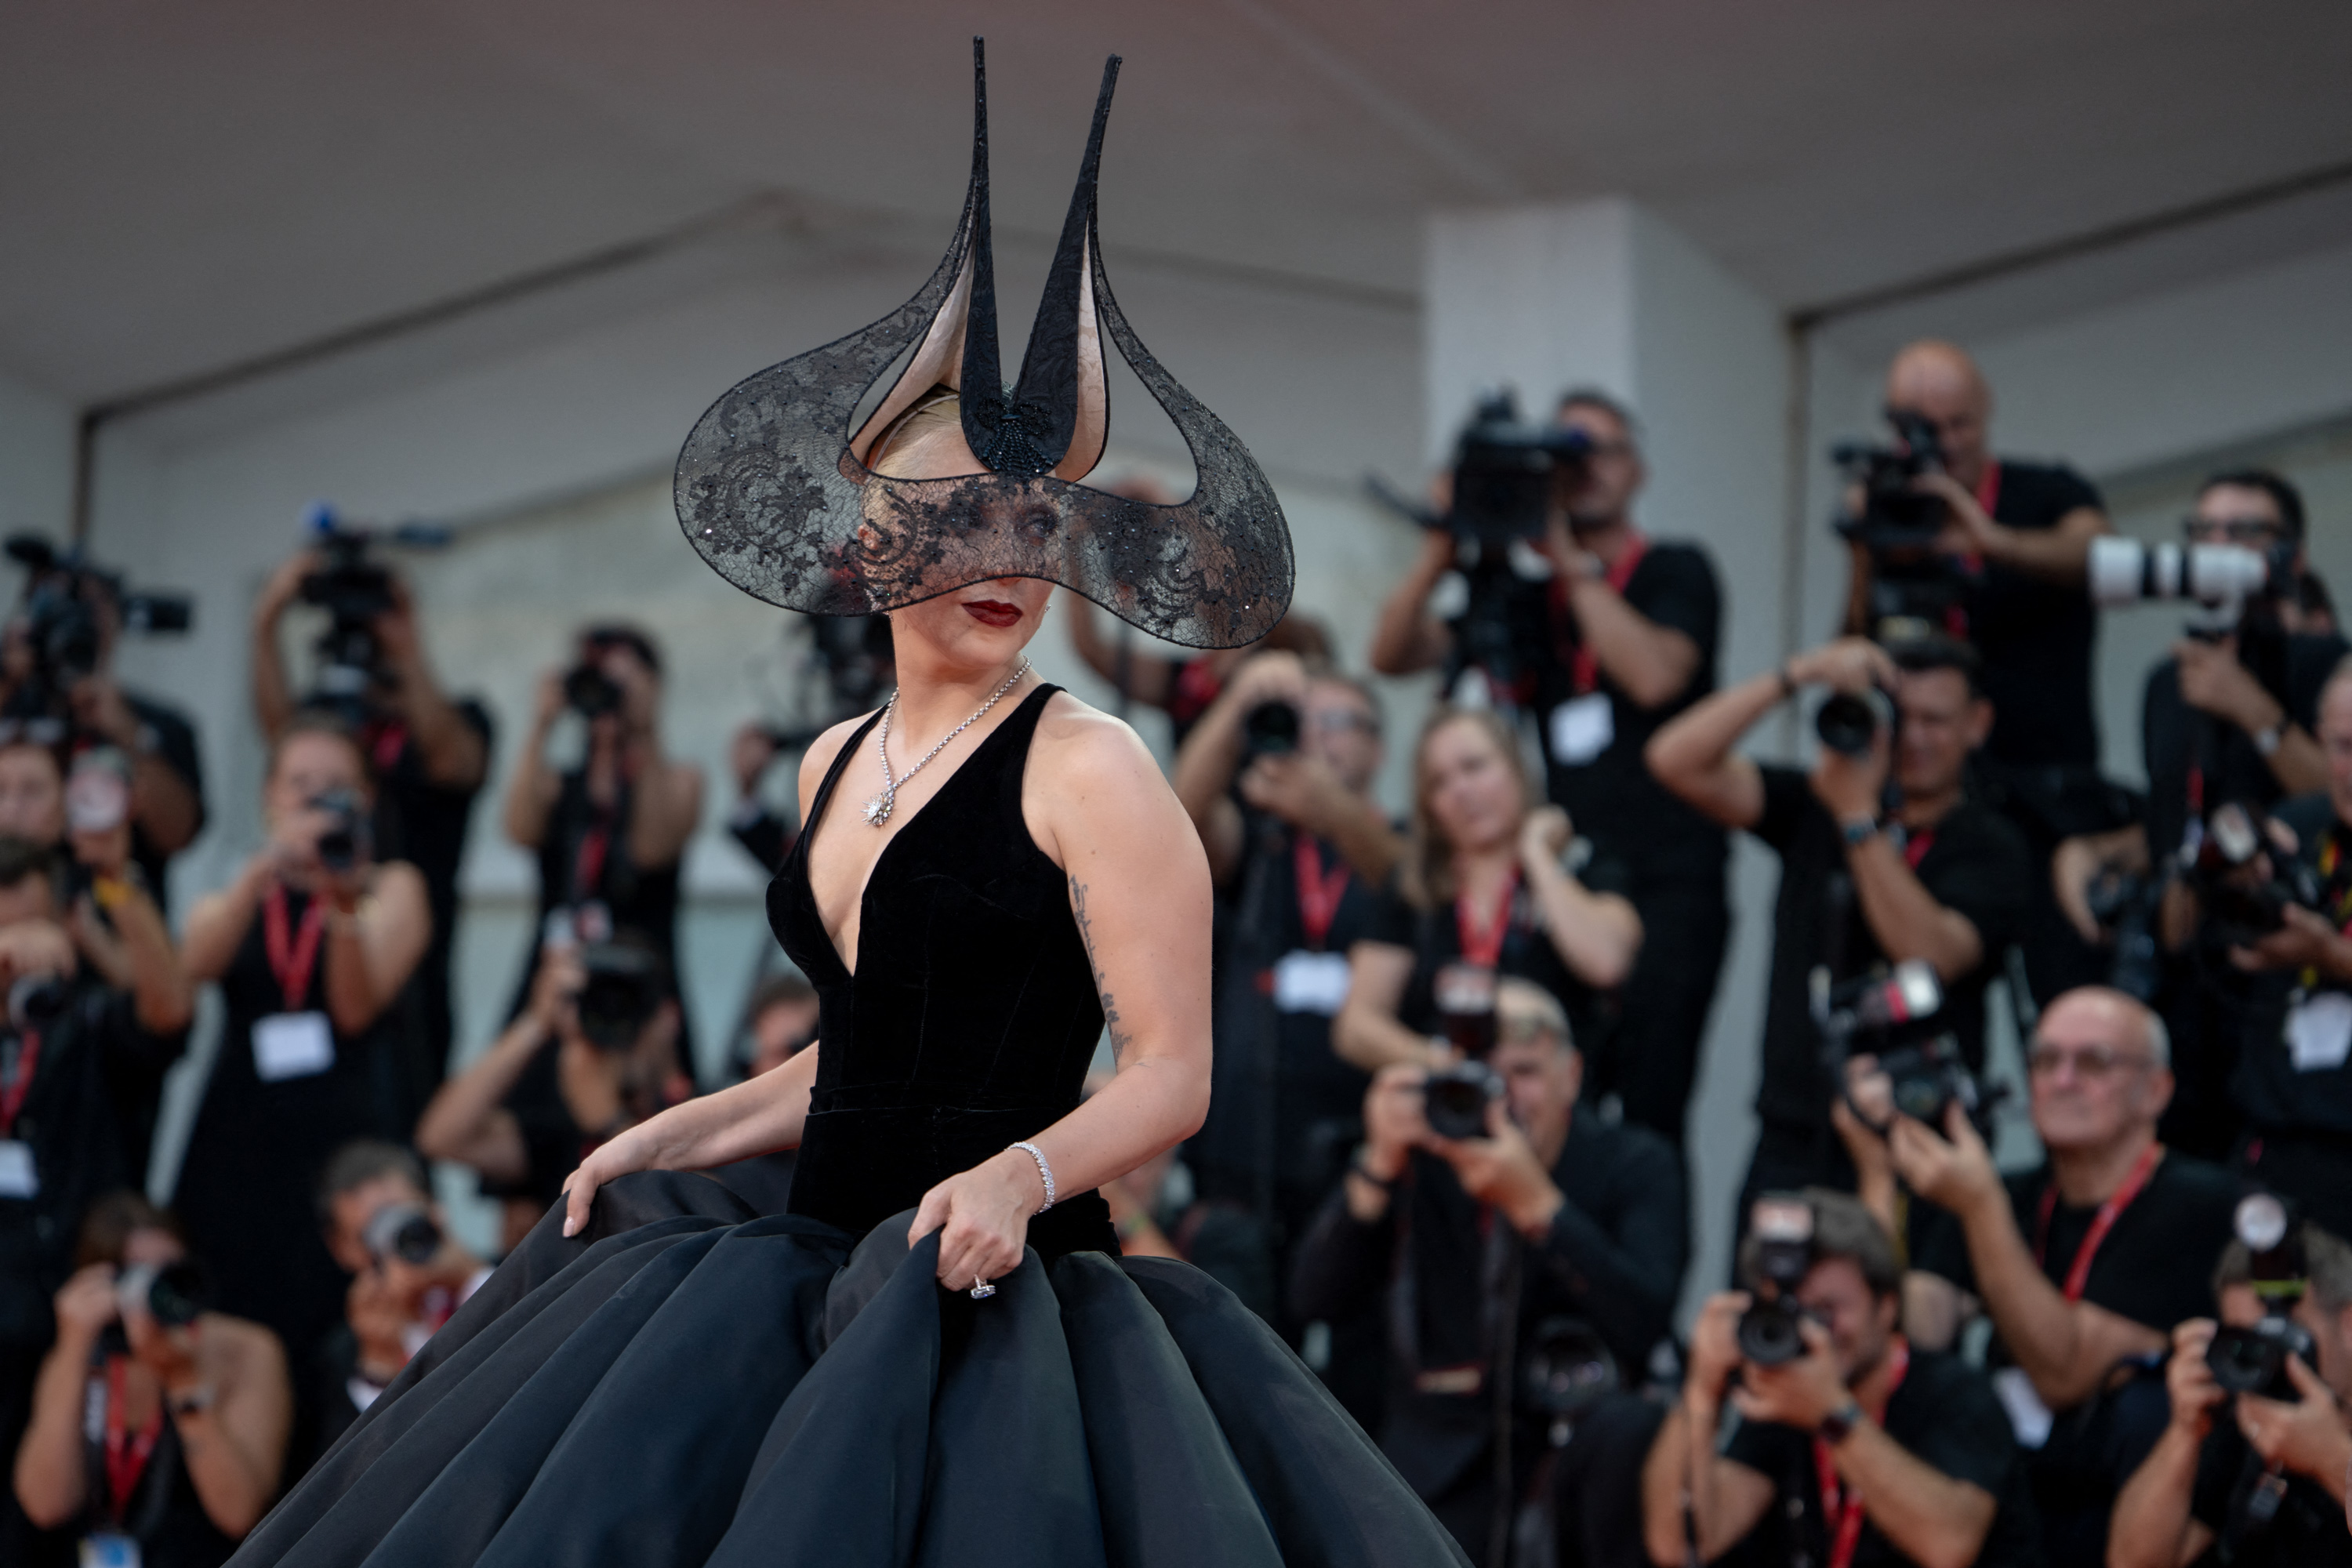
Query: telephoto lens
[1849, 721]
[1770, 1332]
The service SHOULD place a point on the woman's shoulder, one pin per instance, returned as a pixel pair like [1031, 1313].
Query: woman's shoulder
[821, 752]
[1089, 747]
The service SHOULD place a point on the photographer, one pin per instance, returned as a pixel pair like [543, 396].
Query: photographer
[408, 1274]
[524, 1116]
[2082, 1264]
[609, 834]
[187, 1408]
[2232, 716]
[1538, 1241]
[1857, 1447]
[56, 659]
[1483, 891]
[1938, 878]
[311, 945]
[2018, 535]
[2292, 1079]
[430, 754]
[2261, 1475]
[1619, 639]
[81, 1069]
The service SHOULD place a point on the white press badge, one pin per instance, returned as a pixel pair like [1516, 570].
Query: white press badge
[1308, 981]
[18, 1179]
[108, 1550]
[2027, 1416]
[1581, 728]
[2319, 1031]
[292, 1045]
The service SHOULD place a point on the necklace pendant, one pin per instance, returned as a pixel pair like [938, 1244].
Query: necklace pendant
[877, 810]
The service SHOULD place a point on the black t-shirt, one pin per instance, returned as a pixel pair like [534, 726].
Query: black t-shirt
[1274, 971]
[172, 741]
[2156, 1265]
[1945, 1415]
[1609, 792]
[1976, 865]
[2036, 636]
[424, 824]
[1434, 938]
[2294, 1043]
[2307, 1532]
[95, 1065]
[2176, 738]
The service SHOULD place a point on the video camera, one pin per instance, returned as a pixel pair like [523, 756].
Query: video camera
[1894, 1017]
[354, 588]
[626, 986]
[405, 1231]
[2243, 882]
[1913, 586]
[62, 628]
[2252, 1360]
[1770, 1332]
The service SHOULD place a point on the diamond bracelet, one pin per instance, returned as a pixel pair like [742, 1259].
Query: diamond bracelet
[1044, 1170]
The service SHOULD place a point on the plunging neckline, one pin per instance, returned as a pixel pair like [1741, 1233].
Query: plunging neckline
[824, 804]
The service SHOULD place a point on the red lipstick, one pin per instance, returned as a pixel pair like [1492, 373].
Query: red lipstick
[993, 612]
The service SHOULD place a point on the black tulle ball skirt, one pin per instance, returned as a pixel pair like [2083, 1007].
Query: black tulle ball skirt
[687, 1383]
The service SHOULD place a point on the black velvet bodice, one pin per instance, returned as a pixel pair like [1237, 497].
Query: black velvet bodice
[972, 1014]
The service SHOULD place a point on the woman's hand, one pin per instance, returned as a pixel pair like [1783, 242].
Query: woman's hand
[633, 1148]
[1545, 836]
[982, 1218]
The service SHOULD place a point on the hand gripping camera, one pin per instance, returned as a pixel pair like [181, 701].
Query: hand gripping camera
[2252, 1360]
[1895, 1016]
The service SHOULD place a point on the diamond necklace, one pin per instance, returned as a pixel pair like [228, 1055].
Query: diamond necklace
[878, 809]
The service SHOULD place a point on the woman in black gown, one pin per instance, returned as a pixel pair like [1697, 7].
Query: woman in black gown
[937, 1355]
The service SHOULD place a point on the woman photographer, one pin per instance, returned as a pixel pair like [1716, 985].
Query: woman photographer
[609, 834]
[312, 945]
[190, 1407]
[1483, 892]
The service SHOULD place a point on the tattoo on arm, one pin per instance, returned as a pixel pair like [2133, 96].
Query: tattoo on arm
[1119, 1038]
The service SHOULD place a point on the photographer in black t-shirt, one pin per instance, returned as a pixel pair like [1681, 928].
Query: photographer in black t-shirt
[1861, 1449]
[1577, 1226]
[2260, 1476]
[430, 754]
[1631, 631]
[2291, 1081]
[1277, 776]
[1938, 878]
[2233, 718]
[2083, 1264]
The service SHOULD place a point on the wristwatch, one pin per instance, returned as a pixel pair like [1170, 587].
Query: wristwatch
[1839, 1425]
[199, 1398]
[1858, 830]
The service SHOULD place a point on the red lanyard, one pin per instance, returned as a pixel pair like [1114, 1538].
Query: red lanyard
[1916, 845]
[1485, 947]
[2079, 1273]
[20, 1083]
[385, 739]
[1319, 892]
[291, 959]
[1584, 665]
[127, 1453]
[1841, 1504]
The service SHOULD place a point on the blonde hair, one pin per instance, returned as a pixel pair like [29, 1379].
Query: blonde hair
[1426, 878]
[940, 408]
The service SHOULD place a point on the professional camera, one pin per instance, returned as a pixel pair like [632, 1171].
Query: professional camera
[62, 628]
[2243, 882]
[2124, 907]
[1567, 1366]
[590, 692]
[347, 840]
[843, 672]
[1913, 586]
[2252, 1360]
[2222, 579]
[405, 1231]
[1506, 474]
[626, 986]
[1894, 1017]
[354, 588]
[173, 1294]
[1849, 721]
[1770, 1332]
[1269, 730]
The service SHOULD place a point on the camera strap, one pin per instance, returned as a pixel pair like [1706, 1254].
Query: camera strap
[292, 957]
[2078, 1273]
[385, 739]
[1320, 891]
[1842, 1504]
[1915, 846]
[1483, 946]
[127, 1452]
[1584, 664]
[16, 1081]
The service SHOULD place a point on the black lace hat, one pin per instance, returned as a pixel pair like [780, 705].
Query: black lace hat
[773, 490]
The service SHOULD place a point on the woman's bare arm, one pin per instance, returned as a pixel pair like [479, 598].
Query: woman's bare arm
[1367, 1032]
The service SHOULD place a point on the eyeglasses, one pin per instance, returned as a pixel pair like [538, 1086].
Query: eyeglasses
[2231, 530]
[1339, 721]
[2088, 1062]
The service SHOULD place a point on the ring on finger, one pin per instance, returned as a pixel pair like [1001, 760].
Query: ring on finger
[981, 1288]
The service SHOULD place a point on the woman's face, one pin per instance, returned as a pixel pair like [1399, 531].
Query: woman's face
[32, 795]
[309, 765]
[983, 625]
[1471, 790]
